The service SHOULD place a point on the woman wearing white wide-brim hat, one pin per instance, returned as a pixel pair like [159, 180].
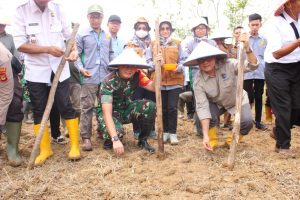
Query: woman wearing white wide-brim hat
[215, 89]
[282, 57]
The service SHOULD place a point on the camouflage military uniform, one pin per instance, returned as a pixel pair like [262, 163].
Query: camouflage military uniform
[119, 92]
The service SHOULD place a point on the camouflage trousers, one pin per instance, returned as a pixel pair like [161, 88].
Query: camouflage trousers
[141, 111]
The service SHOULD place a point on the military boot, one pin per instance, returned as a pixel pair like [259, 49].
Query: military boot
[146, 128]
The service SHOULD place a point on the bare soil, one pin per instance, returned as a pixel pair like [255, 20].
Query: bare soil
[187, 172]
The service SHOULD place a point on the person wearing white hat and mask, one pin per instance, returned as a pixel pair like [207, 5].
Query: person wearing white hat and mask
[118, 106]
[215, 89]
[282, 72]
[40, 30]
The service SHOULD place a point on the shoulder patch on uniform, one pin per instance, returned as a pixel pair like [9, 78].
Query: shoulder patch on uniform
[107, 36]
[3, 76]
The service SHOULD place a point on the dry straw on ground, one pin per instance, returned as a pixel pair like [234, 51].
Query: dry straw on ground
[187, 172]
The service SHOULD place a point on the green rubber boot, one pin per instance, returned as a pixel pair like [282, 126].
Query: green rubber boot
[12, 148]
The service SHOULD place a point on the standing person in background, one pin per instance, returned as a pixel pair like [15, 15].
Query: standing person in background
[236, 35]
[95, 50]
[40, 29]
[114, 25]
[282, 73]
[172, 79]
[140, 42]
[254, 81]
[15, 114]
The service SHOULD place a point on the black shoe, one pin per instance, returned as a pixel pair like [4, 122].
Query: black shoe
[145, 145]
[260, 126]
[107, 145]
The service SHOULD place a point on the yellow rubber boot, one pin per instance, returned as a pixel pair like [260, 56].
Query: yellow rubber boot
[229, 139]
[73, 129]
[213, 138]
[45, 146]
[268, 114]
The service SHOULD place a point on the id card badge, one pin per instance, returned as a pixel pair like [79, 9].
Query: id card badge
[97, 61]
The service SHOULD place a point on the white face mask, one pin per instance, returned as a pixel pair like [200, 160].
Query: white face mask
[141, 34]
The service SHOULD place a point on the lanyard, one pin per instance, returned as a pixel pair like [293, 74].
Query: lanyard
[98, 39]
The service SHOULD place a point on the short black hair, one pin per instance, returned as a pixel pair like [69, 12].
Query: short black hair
[238, 27]
[254, 16]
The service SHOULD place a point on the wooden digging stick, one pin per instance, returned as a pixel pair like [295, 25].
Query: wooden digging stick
[39, 137]
[159, 125]
[237, 117]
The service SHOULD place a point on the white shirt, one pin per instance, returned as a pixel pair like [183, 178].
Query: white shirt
[278, 34]
[48, 28]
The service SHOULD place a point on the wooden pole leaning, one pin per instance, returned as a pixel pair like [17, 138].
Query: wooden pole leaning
[238, 106]
[157, 79]
[50, 101]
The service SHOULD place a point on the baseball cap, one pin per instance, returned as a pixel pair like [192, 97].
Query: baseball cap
[114, 18]
[95, 8]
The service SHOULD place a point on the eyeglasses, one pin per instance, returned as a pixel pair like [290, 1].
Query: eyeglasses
[142, 28]
[164, 28]
[96, 16]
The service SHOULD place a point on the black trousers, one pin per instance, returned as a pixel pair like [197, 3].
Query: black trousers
[39, 95]
[15, 113]
[255, 90]
[55, 121]
[139, 94]
[190, 106]
[169, 100]
[283, 82]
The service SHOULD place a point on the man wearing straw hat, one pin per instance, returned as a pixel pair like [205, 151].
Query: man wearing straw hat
[14, 115]
[118, 106]
[282, 73]
[215, 89]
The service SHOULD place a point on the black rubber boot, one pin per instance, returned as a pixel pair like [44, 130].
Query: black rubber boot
[145, 145]
[146, 128]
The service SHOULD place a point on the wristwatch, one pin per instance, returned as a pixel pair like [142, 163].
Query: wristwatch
[115, 138]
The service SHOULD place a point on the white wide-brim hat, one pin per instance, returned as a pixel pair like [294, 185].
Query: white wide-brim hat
[129, 58]
[203, 50]
[199, 21]
[220, 34]
[280, 7]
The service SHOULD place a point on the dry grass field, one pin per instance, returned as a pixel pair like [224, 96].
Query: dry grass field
[187, 172]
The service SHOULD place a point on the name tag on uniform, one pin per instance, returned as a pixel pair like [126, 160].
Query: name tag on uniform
[33, 24]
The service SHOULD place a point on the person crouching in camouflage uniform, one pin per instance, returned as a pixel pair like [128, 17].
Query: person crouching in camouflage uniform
[118, 108]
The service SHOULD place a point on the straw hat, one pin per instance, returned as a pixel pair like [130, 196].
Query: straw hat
[199, 21]
[280, 7]
[203, 50]
[220, 34]
[142, 20]
[129, 58]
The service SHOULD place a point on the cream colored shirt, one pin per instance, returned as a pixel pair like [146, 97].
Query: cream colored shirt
[220, 89]
[48, 28]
